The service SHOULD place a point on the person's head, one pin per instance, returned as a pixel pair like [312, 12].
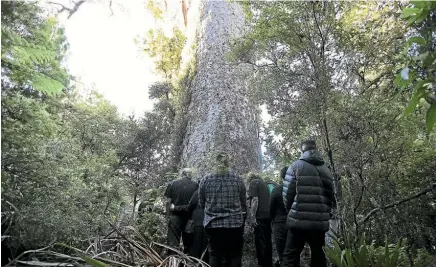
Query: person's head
[252, 176]
[222, 159]
[186, 173]
[222, 162]
[307, 145]
[283, 172]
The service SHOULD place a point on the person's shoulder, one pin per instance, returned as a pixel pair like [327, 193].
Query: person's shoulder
[259, 182]
[299, 163]
[277, 189]
[326, 171]
[234, 175]
[207, 177]
[175, 182]
[170, 183]
[189, 181]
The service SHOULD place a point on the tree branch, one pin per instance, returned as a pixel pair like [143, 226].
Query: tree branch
[75, 8]
[362, 189]
[63, 8]
[398, 202]
[70, 11]
[319, 30]
[110, 8]
[185, 13]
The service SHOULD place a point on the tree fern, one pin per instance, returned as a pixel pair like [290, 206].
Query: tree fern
[32, 55]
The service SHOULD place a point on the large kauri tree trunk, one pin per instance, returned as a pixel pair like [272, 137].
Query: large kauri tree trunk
[220, 116]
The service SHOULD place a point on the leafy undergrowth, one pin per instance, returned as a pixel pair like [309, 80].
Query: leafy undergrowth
[363, 254]
[123, 247]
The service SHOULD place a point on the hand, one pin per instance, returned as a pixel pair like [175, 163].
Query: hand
[172, 207]
[254, 222]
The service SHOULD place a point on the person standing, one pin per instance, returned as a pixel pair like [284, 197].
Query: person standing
[278, 216]
[259, 197]
[222, 196]
[308, 197]
[178, 193]
[199, 244]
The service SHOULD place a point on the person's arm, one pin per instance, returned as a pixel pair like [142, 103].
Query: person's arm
[201, 195]
[180, 208]
[273, 204]
[254, 206]
[243, 199]
[289, 187]
[254, 201]
[168, 200]
[190, 206]
[168, 207]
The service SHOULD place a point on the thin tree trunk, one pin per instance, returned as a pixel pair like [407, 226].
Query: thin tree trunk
[135, 199]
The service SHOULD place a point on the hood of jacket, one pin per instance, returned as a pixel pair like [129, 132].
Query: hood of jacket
[313, 157]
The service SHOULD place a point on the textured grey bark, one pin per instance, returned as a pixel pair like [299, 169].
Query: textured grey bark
[220, 116]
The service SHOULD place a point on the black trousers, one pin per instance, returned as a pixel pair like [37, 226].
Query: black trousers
[199, 244]
[280, 231]
[263, 242]
[176, 227]
[295, 243]
[225, 246]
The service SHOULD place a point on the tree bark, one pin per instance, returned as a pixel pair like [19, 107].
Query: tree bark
[221, 117]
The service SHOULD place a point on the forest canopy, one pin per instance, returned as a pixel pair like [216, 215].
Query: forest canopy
[357, 77]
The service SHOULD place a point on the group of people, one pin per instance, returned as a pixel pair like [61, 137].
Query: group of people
[210, 217]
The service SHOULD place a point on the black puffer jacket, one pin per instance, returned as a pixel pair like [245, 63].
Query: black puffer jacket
[308, 193]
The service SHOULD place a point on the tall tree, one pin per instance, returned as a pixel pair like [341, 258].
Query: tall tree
[211, 104]
[220, 114]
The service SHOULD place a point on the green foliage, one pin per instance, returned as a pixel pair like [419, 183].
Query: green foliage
[59, 160]
[324, 71]
[167, 51]
[173, 93]
[159, 90]
[69, 163]
[32, 48]
[154, 9]
[153, 227]
[94, 262]
[365, 255]
[174, 97]
[419, 59]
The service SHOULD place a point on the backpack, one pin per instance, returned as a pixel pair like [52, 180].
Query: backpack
[271, 184]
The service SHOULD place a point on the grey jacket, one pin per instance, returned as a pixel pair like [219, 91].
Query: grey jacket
[308, 193]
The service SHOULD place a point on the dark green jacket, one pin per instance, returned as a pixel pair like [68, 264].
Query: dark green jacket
[308, 193]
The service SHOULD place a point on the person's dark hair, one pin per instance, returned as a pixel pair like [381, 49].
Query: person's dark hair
[308, 145]
[252, 176]
[283, 172]
[222, 159]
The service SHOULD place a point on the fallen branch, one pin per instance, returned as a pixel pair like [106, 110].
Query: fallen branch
[398, 202]
[126, 250]
[156, 260]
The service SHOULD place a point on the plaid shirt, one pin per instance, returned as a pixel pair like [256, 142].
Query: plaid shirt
[222, 196]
